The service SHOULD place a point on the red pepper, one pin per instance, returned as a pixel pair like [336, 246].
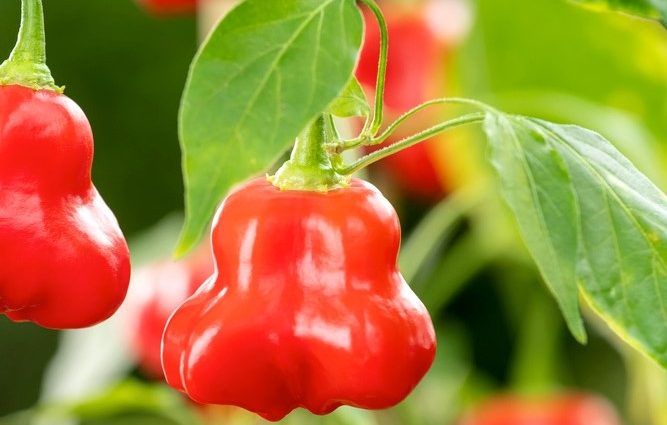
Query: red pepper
[306, 308]
[170, 7]
[156, 291]
[65, 263]
[567, 409]
[415, 53]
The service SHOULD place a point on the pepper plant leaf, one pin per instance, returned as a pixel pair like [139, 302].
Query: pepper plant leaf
[351, 103]
[262, 75]
[654, 9]
[596, 226]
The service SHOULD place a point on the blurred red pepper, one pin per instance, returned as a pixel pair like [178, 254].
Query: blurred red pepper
[306, 309]
[413, 69]
[566, 409]
[65, 263]
[155, 292]
[170, 7]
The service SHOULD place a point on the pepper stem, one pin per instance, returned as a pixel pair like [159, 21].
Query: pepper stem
[380, 81]
[26, 65]
[309, 167]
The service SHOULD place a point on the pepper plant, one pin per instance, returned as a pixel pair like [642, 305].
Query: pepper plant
[306, 307]
[596, 227]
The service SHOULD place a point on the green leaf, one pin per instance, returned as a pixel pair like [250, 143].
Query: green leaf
[594, 224]
[351, 103]
[128, 402]
[134, 397]
[264, 73]
[656, 9]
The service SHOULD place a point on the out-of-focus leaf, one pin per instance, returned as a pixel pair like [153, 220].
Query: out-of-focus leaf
[133, 396]
[130, 402]
[342, 416]
[655, 9]
[137, 419]
[435, 228]
[263, 74]
[594, 224]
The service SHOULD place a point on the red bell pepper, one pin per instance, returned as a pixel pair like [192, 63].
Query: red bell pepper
[65, 263]
[170, 7]
[566, 409]
[306, 308]
[155, 292]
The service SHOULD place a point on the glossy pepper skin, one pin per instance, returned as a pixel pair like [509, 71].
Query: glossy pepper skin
[65, 263]
[170, 7]
[306, 308]
[413, 65]
[567, 409]
[155, 292]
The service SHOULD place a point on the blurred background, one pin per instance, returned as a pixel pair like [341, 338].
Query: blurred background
[503, 346]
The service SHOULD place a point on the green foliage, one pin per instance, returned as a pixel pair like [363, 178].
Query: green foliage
[351, 103]
[133, 396]
[594, 224]
[656, 9]
[605, 59]
[264, 73]
[130, 402]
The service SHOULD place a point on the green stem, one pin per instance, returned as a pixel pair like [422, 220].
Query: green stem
[534, 370]
[26, 65]
[410, 141]
[436, 228]
[391, 129]
[309, 167]
[409, 114]
[382, 68]
[459, 264]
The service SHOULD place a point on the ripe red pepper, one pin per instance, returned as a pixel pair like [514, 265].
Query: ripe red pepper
[306, 308]
[567, 409]
[65, 263]
[170, 7]
[155, 292]
[415, 53]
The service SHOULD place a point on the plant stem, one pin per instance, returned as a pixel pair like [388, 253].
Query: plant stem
[31, 46]
[409, 114]
[534, 370]
[436, 228]
[382, 67]
[366, 141]
[459, 264]
[410, 141]
[308, 149]
[309, 167]
[26, 65]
